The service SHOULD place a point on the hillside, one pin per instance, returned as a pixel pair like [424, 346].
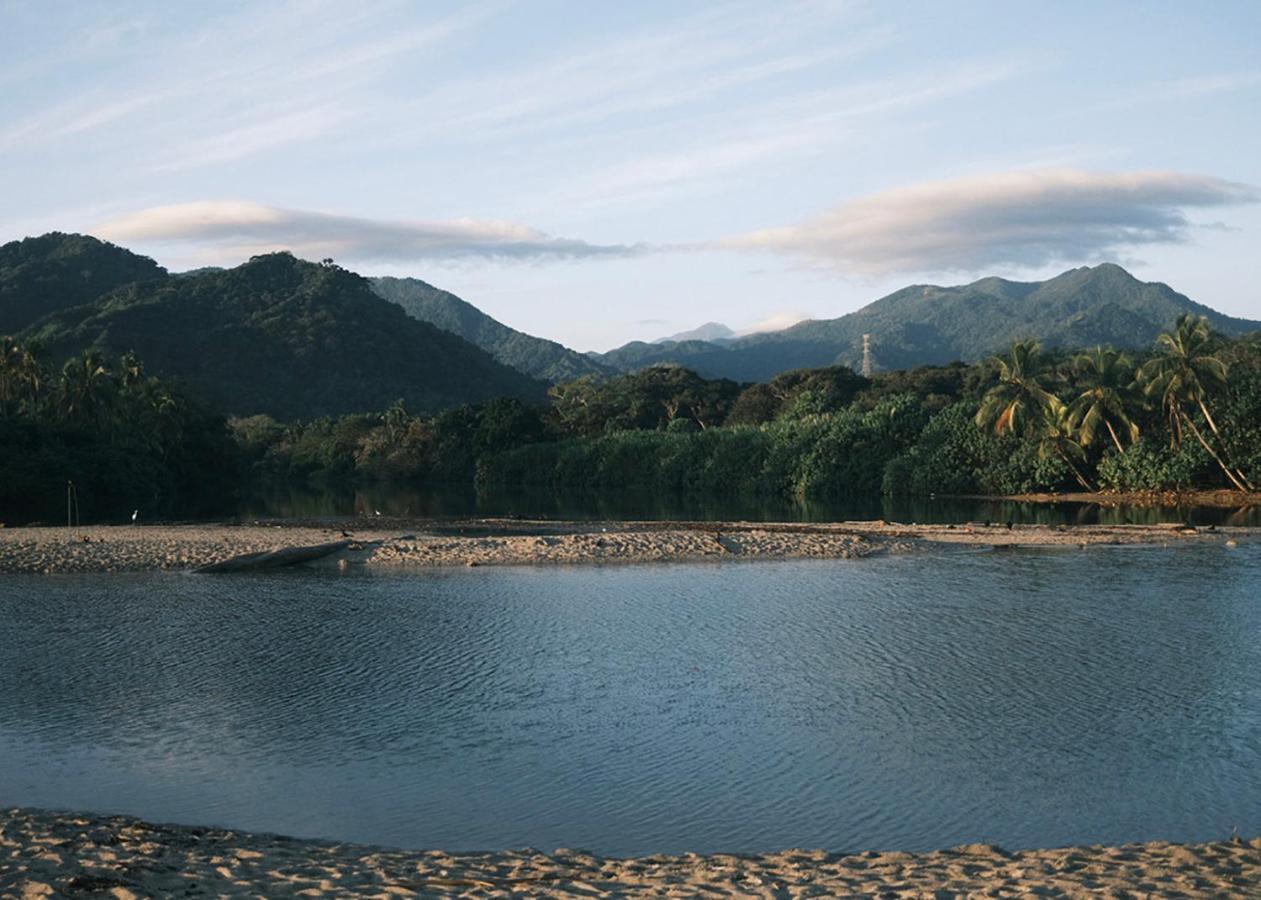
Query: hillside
[710, 331]
[536, 357]
[40, 275]
[282, 336]
[930, 325]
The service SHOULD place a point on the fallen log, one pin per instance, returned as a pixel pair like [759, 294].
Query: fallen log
[273, 559]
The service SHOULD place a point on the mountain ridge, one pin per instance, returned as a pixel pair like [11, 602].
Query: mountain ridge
[710, 331]
[537, 357]
[933, 325]
[57, 270]
[280, 336]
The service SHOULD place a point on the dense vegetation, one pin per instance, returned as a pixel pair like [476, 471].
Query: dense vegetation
[42, 275]
[285, 337]
[536, 357]
[1185, 414]
[302, 353]
[112, 438]
[929, 325]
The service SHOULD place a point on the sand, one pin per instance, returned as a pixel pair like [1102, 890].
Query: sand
[391, 544]
[45, 854]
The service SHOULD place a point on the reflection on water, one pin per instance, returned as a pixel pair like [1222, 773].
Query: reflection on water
[1027, 698]
[290, 502]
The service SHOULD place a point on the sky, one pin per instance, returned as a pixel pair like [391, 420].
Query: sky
[597, 173]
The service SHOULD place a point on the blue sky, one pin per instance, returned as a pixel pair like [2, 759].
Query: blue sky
[598, 172]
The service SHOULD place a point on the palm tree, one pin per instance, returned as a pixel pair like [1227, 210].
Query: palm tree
[84, 389]
[1184, 375]
[130, 370]
[1020, 393]
[21, 376]
[1107, 395]
[1057, 432]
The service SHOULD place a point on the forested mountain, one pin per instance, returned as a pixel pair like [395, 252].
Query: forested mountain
[285, 337]
[40, 275]
[929, 325]
[536, 357]
[710, 331]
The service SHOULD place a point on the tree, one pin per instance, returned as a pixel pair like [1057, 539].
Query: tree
[1183, 375]
[1020, 394]
[130, 370]
[21, 377]
[1107, 397]
[85, 388]
[1057, 434]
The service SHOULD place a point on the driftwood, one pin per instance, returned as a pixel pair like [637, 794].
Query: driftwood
[274, 559]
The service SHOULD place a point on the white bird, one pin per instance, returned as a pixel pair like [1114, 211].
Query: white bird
[134, 513]
[376, 512]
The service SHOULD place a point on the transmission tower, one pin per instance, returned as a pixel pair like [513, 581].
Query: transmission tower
[866, 356]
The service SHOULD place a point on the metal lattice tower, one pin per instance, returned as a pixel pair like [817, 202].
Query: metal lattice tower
[866, 356]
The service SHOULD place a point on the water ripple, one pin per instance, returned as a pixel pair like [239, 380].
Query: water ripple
[1026, 698]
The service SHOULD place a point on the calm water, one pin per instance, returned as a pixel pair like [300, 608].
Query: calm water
[395, 501]
[1026, 698]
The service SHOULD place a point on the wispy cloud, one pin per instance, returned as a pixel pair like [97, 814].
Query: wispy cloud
[1200, 85]
[254, 137]
[1186, 88]
[229, 231]
[226, 88]
[775, 132]
[1024, 218]
[650, 70]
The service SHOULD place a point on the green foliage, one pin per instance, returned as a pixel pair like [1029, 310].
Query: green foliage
[953, 456]
[1150, 465]
[650, 399]
[797, 393]
[394, 446]
[126, 441]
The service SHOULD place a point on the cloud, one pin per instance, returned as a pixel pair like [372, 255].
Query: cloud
[255, 137]
[1024, 218]
[233, 230]
[770, 133]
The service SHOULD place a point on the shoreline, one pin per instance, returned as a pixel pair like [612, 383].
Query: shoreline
[45, 853]
[394, 544]
[1218, 498]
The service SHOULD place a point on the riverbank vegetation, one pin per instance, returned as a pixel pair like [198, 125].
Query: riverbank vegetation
[107, 439]
[1185, 414]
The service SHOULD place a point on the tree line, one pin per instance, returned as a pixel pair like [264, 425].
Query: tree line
[125, 442]
[1185, 414]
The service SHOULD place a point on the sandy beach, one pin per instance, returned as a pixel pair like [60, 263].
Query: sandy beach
[44, 854]
[379, 543]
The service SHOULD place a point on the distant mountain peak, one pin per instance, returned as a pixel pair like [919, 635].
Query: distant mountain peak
[710, 331]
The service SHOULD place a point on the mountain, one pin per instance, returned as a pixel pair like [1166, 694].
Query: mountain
[710, 331]
[536, 357]
[39, 275]
[286, 337]
[930, 325]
